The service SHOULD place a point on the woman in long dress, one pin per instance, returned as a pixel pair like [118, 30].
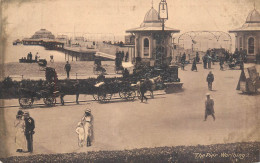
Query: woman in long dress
[20, 140]
[87, 121]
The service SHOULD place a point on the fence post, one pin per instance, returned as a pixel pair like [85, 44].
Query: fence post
[76, 75]
[22, 76]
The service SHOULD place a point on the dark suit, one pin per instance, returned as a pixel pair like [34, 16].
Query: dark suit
[29, 127]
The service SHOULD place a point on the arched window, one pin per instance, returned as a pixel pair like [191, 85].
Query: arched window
[251, 45]
[146, 47]
[240, 43]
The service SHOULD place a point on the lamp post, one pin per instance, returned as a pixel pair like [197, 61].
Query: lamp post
[163, 12]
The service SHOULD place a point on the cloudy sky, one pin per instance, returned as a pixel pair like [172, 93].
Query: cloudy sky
[115, 16]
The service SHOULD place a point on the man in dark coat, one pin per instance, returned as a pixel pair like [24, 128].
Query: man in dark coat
[29, 130]
[205, 58]
[144, 86]
[126, 57]
[210, 79]
[67, 68]
[221, 62]
[126, 73]
[194, 65]
[209, 107]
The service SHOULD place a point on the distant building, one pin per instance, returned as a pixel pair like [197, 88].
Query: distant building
[43, 34]
[153, 46]
[248, 36]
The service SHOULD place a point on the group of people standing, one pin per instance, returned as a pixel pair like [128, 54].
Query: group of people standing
[30, 57]
[85, 129]
[208, 59]
[122, 55]
[24, 125]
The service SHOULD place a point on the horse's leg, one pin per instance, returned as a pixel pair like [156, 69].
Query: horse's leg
[151, 93]
[61, 99]
[77, 98]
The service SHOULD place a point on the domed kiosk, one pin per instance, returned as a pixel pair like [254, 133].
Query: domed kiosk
[153, 41]
[248, 36]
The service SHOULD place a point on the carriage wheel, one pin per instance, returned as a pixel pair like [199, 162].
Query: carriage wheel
[123, 93]
[95, 96]
[25, 102]
[104, 97]
[49, 101]
[131, 95]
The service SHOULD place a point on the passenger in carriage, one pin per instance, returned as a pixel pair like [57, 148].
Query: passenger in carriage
[125, 73]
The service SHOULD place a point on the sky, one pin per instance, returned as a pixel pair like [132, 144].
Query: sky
[113, 17]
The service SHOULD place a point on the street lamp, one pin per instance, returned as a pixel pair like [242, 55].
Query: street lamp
[163, 12]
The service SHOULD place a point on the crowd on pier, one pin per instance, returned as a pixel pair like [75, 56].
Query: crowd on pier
[238, 58]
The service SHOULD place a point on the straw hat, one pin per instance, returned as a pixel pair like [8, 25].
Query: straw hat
[88, 110]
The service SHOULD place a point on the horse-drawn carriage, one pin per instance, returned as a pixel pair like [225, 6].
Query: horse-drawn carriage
[28, 96]
[105, 91]
[48, 90]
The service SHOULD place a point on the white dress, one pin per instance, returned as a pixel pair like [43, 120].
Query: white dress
[88, 127]
[20, 139]
[80, 131]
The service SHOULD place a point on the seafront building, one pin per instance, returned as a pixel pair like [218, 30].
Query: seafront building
[248, 36]
[153, 44]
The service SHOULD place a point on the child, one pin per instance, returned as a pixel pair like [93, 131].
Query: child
[80, 131]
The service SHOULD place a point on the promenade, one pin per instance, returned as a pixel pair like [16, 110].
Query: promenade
[167, 120]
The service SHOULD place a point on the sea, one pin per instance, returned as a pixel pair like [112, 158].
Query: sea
[19, 71]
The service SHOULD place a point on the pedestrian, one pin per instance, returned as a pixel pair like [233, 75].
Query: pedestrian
[204, 58]
[209, 62]
[122, 55]
[20, 140]
[29, 130]
[67, 68]
[209, 107]
[210, 79]
[197, 57]
[126, 57]
[81, 134]
[36, 57]
[30, 56]
[194, 65]
[143, 89]
[87, 121]
[183, 60]
[221, 62]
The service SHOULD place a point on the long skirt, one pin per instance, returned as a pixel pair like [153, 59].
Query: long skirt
[20, 140]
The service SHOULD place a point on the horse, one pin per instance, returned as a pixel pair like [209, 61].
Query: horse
[74, 88]
[148, 85]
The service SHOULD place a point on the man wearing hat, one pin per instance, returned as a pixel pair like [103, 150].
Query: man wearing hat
[209, 107]
[29, 130]
[210, 79]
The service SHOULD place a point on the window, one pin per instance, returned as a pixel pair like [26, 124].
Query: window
[146, 47]
[251, 45]
[240, 43]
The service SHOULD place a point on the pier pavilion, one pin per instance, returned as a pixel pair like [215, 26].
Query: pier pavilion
[248, 36]
[153, 41]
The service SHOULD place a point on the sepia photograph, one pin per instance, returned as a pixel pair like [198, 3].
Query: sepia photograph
[130, 81]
